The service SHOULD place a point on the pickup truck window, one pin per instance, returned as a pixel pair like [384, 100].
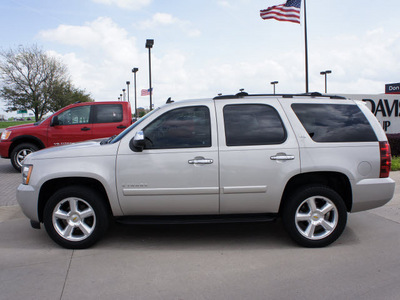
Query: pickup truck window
[187, 127]
[253, 124]
[75, 115]
[108, 113]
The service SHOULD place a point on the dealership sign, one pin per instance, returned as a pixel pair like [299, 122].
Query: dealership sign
[392, 88]
[386, 109]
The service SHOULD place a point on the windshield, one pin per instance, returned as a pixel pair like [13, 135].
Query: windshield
[126, 131]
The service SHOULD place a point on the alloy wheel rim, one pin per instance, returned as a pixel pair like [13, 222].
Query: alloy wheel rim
[22, 154]
[316, 217]
[74, 219]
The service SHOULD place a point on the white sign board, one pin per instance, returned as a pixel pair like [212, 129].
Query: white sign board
[385, 107]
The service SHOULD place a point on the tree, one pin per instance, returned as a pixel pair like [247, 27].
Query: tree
[63, 94]
[33, 80]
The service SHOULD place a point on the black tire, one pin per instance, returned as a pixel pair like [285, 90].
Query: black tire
[314, 216]
[20, 152]
[76, 217]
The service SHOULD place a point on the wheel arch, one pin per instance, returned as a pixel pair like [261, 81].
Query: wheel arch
[25, 139]
[51, 186]
[334, 180]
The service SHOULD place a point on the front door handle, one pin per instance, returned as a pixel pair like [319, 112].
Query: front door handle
[85, 128]
[121, 127]
[200, 161]
[282, 156]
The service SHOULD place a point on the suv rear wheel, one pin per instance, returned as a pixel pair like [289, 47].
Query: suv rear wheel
[315, 216]
[75, 217]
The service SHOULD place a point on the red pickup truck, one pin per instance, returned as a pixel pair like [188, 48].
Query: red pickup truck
[74, 123]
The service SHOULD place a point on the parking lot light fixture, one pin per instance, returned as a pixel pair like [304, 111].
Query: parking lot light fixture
[149, 45]
[325, 73]
[127, 88]
[274, 83]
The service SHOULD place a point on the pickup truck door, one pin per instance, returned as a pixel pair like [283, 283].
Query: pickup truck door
[73, 126]
[108, 120]
[258, 154]
[177, 172]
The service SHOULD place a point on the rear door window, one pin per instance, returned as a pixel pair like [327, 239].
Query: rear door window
[330, 123]
[253, 124]
[108, 113]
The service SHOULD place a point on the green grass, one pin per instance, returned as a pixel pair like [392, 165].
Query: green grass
[395, 163]
[13, 123]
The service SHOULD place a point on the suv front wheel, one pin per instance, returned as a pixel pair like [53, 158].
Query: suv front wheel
[314, 216]
[75, 217]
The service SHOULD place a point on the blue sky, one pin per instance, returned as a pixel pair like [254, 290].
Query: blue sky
[207, 47]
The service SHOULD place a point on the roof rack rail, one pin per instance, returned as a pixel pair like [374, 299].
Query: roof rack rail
[312, 94]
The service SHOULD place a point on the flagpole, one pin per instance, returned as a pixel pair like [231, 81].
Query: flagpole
[306, 44]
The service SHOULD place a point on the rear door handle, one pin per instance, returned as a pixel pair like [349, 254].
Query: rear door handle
[200, 161]
[121, 127]
[281, 156]
[85, 128]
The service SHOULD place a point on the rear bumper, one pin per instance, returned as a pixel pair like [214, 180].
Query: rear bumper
[372, 193]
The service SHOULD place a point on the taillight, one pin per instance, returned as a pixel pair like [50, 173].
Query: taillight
[386, 159]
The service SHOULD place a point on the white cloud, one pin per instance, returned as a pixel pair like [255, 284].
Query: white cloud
[101, 55]
[163, 19]
[126, 4]
[359, 63]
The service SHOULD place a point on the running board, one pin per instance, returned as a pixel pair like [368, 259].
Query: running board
[197, 219]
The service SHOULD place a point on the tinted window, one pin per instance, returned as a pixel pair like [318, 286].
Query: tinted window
[75, 115]
[334, 122]
[253, 124]
[108, 113]
[187, 127]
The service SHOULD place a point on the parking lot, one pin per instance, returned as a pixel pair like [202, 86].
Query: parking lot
[222, 261]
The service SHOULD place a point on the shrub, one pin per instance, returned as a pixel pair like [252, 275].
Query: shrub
[394, 141]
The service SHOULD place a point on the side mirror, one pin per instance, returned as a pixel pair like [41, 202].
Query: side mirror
[137, 144]
[54, 121]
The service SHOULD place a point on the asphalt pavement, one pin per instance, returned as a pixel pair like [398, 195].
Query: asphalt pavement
[221, 261]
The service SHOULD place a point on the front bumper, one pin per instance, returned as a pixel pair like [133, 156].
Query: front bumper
[4, 149]
[27, 198]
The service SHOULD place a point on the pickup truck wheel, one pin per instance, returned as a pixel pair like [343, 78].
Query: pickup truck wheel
[20, 152]
[315, 216]
[76, 217]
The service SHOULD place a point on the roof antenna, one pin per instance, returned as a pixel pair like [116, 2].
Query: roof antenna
[169, 100]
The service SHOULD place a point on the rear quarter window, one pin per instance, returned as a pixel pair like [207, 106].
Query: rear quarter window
[334, 123]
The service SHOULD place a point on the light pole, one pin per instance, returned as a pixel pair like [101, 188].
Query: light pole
[326, 81]
[127, 88]
[124, 97]
[274, 83]
[149, 45]
[120, 96]
[134, 70]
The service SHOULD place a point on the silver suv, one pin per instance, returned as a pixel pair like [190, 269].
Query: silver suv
[308, 159]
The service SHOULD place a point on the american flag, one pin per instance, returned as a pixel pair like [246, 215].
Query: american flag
[289, 12]
[146, 92]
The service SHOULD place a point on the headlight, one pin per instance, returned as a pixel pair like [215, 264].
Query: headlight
[26, 173]
[6, 134]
